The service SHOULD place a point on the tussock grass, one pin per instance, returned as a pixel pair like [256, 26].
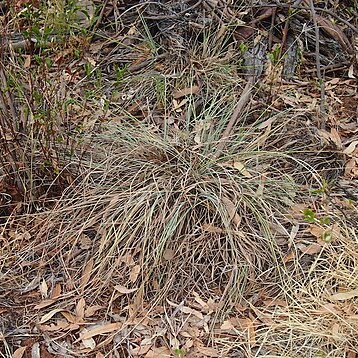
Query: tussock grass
[163, 217]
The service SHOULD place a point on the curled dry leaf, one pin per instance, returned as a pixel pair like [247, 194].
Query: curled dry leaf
[242, 169]
[80, 308]
[141, 350]
[208, 352]
[185, 91]
[351, 148]
[50, 314]
[86, 274]
[19, 352]
[106, 328]
[134, 273]
[43, 289]
[310, 249]
[44, 303]
[231, 209]
[89, 342]
[124, 290]
[90, 311]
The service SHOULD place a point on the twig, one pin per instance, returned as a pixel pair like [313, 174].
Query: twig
[241, 104]
[318, 62]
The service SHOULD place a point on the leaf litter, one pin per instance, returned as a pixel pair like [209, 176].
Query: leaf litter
[174, 69]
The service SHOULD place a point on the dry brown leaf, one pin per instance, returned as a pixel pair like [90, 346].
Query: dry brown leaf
[242, 169]
[231, 209]
[310, 249]
[56, 291]
[27, 62]
[227, 325]
[80, 308]
[211, 228]
[50, 314]
[185, 91]
[188, 310]
[107, 328]
[349, 170]
[70, 317]
[341, 296]
[90, 311]
[59, 326]
[351, 148]
[289, 257]
[275, 302]
[208, 352]
[19, 352]
[134, 273]
[159, 352]
[43, 289]
[317, 231]
[44, 303]
[124, 290]
[336, 138]
[201, 302]
[89, 342]
[141, 350]
[86, 274]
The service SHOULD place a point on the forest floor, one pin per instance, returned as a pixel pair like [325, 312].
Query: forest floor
[178, 178]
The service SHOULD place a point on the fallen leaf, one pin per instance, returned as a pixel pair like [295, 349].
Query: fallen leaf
[208, 352]
[275, 302]
[134, 273]
[242, 169]
[107, 328]
[43, 289]
[50, 314]
[59, 326]
[70, 317]
[44, 303]
[80, 308]
[141, 350]
[231, 209]
[336, 138]
[211, 228]
[188, 310]
[27, 62]
[89, 342]
[344, 295]
[289, 257]
[227, 325]
[56, 291]
[19, 352]
[185, 91]
[124, 290]
[86, 274]
[351, 148]
[159, 352]
[90, 311]
[310, 249]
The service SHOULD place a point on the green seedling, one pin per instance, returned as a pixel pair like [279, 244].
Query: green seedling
[309, 215]
[275, 55]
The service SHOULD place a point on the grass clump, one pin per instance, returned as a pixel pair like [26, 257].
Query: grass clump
[163, 217]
